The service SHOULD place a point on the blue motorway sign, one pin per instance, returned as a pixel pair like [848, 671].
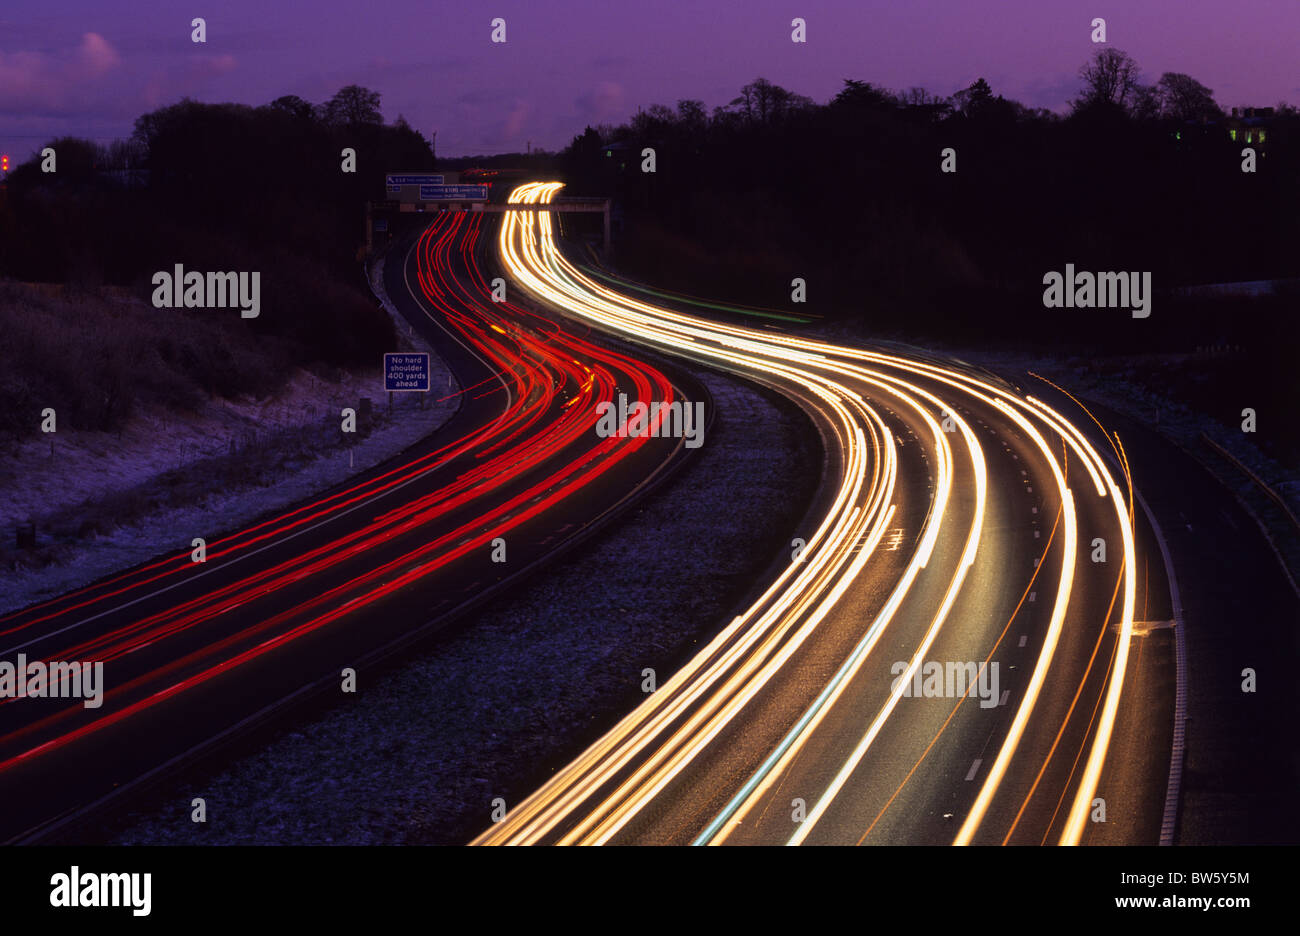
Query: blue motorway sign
[453, 193]
[406, 371]
[392, 179]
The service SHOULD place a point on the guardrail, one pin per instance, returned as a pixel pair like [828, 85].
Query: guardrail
[1273, 495]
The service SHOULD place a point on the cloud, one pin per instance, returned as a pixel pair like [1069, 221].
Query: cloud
[55, 82]
[209, 66]
[1053, 92]
[514, 124]
[603, 102]
[97, 55]
[187, 80]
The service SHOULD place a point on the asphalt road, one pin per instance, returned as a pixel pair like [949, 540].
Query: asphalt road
[1239, 612]
[961, 524]
[195, 653]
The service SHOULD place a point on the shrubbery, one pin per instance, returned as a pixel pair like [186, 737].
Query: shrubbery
[213, 187]
[93, 356]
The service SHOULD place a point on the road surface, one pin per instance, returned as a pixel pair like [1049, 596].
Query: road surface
[195, 652]
[944, 657]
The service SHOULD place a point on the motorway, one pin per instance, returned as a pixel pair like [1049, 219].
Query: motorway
[959, 527]
[195, 653]
[961, 523]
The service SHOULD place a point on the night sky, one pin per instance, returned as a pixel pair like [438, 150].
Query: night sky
[89, 68]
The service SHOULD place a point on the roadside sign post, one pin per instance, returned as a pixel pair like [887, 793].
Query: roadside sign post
[406, 372]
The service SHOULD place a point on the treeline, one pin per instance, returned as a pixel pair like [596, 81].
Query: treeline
[850, 195]
[223, 187]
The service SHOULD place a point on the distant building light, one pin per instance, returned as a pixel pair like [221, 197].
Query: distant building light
[1233, 134]
[1248, 137]
[1261, 136]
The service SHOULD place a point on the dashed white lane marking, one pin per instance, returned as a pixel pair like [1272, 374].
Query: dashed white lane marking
[1024, 639]
[974, 768]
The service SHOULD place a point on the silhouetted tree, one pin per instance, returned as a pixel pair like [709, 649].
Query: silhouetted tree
[78, 159]
[653, 122]
[850, 193]
[979, 103]
[353, 106]
[1145, 103]
[124, 154]
[582, 163]
[294, 106]
[1183, 98]
[1110, 78]
[763, 103]
[862, 96]
[692, 116]
[974, 100]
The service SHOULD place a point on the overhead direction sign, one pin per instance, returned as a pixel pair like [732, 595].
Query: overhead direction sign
[405, 186]
[406, 371]
[396, 178]
[453, 193]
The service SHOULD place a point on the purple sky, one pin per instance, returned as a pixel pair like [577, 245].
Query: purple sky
[89, 67]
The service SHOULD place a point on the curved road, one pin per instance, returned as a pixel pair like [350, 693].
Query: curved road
[195, 652]
[960, 529]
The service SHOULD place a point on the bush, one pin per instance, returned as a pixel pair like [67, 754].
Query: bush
[94, 356]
